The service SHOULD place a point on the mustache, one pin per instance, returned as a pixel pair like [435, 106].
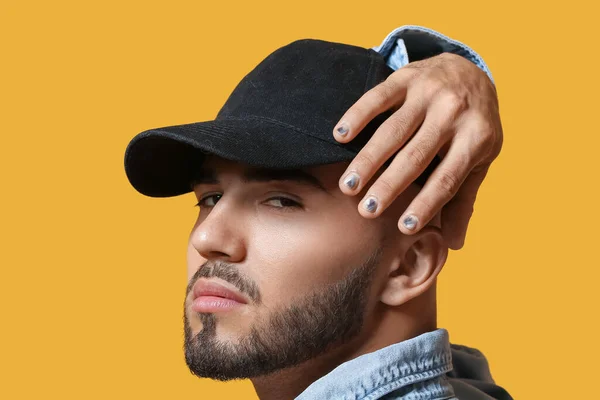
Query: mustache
[228, 273]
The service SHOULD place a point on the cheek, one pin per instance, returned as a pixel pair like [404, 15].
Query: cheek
[293, 258]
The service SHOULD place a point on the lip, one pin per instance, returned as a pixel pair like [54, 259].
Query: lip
[206, 288]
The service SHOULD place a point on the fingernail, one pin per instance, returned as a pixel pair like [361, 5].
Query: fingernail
[410, 222]
[342, 129]
[351, 180]
[370, 204]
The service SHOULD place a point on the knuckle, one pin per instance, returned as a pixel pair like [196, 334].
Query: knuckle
[366, 161]
[465, 158]
[433, 133]
[397, 129]
[381, 94]
[484, 134]
[431, 87]
[416, 156]
[481, 144]
[399, 74]
[483, 124]
[384, 188]
[429, 136]
[453, 101]
[447, 183]
[422, 206]
[434, 81]
[357, 111]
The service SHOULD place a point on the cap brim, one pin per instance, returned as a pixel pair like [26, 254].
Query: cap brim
[161, 162]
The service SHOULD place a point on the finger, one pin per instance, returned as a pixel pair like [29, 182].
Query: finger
[441, 186]
[385, 142]
[387, 95]
[408, 164]
[457, 213]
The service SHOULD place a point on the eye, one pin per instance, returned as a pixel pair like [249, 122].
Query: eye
[209, 200]
[283, 202]
[276, 202]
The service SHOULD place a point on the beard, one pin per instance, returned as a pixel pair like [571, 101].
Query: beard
[321, 321]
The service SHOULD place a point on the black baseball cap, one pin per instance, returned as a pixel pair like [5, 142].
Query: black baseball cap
[281, 115]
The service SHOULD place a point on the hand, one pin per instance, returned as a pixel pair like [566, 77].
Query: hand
[454, 105]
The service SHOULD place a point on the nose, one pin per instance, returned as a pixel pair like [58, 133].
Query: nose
[220, 234]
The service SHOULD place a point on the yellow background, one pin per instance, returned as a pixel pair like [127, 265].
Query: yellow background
[93, 273]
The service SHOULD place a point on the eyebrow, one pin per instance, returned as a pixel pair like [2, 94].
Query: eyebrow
[209, 176]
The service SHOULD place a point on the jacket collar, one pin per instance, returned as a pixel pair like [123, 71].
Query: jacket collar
[416, 365]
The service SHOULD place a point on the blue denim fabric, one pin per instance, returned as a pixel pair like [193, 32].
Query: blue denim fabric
[417, 38]
[426, 367]
[412, 369]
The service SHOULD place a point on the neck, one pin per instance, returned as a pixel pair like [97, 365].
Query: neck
[290, 382]
[386, 327]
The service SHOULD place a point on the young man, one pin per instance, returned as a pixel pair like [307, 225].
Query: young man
[288, 285]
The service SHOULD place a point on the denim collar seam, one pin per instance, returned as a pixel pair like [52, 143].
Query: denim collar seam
[405, 381]
[441, 364]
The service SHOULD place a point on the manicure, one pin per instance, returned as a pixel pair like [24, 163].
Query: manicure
[351, 180]
[342, 129]
[410, 222]
[370, 204]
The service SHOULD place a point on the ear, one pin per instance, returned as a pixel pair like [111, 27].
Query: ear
[415, 267]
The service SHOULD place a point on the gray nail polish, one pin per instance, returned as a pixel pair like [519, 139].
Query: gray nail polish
[342, 129]
[410, 222]
[351, 180]
[370, 204]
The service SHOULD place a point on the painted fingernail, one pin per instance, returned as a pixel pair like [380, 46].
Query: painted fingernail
[351, 180]
[342, 129]
[410, 222]
[370, 204]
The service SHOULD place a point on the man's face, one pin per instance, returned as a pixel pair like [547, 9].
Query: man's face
[298, 253]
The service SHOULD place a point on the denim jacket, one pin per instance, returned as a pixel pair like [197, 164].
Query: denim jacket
[420, 43]
[426, 367]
